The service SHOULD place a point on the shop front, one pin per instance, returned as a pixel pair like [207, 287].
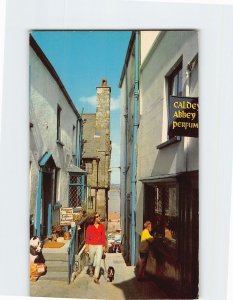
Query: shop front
[171, 204]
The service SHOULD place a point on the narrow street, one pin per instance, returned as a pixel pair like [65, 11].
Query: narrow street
[124, 286]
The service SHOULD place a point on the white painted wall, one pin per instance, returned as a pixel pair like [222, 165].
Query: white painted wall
[45, 95]
[179, 157]
[147, 40]
[159, 53]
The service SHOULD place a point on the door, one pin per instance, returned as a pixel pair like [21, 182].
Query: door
[47, 198]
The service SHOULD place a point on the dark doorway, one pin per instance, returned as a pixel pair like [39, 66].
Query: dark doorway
[47, 195]
[48, 183]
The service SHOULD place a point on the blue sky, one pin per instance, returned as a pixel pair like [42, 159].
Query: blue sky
[82, 59]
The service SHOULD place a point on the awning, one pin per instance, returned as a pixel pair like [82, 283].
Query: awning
[160, 178]
[76, 169]
[44, 159]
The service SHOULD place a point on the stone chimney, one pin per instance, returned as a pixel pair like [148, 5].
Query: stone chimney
[103, 144]
[103, 107]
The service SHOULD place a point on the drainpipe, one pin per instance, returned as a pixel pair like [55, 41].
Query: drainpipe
[38, 204]
[77, 146]
[134, 160]
[97, 181]
[80, 139]
[83, 189]
[126, 230]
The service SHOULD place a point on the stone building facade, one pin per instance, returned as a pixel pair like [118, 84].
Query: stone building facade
[55, 145]
[96, 155]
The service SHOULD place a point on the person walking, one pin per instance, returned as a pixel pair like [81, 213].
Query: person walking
[95, 245]
[146, 239]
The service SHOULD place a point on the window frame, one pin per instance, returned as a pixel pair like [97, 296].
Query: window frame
[177, 69]
[169, 80]
[59, 110]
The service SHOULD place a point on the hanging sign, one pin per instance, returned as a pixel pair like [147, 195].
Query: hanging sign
[66, 215]
[183, 116]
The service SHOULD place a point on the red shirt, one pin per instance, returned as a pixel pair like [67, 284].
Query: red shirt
[95, 236]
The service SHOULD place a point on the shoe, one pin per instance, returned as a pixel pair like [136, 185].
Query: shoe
[96, 280]
[91, 274]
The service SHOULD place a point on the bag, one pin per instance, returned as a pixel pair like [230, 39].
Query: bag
[36, 270]
[144, 247]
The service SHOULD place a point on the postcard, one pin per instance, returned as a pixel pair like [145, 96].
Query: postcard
[114, 164]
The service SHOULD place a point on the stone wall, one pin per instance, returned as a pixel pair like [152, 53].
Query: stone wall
[97, 148]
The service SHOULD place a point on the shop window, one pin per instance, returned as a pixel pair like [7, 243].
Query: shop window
[166, 211]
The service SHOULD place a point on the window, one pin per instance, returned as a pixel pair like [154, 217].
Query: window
[56, 184]
[175, 88]
[175, 82]
[161, 208]
[59, 123]
[75, 190]
[166, 211]
[74, 141]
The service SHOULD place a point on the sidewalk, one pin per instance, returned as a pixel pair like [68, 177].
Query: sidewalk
[124, 286]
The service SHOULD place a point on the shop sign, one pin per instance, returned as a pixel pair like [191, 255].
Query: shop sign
[183, 116]
[66, 215]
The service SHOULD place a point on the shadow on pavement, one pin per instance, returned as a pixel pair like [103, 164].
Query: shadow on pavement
[134, 289]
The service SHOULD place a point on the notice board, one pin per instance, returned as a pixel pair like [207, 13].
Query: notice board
[66, 215]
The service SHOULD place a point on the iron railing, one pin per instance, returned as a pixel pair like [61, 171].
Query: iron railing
[72, 250]
[77, 241]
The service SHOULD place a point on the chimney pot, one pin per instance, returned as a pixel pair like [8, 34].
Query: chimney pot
[104, 82]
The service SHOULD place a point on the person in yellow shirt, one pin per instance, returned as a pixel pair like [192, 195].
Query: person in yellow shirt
[146, 239]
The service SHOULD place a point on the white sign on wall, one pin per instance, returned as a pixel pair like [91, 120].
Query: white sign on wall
[66, 215]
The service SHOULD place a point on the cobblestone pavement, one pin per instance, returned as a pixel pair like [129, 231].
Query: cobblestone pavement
[124, 286]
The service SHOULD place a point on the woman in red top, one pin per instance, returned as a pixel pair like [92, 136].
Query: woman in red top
[95, 243]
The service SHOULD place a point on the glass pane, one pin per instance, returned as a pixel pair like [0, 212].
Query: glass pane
[158, 228]
[174, 87]
[179, 83]
[158, 201]
[170, 213]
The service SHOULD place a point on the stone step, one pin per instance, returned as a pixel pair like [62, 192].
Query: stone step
[56, 266]
[56, 276]
[55, 256]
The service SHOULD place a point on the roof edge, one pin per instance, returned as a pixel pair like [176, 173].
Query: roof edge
[127, 57]
[52, 71]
